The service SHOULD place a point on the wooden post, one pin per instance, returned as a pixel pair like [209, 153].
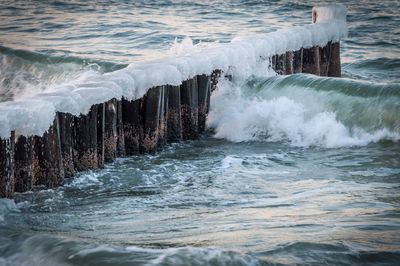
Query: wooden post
[280, 64]
[66, 121]
[47, 164]
[100, 134]
[311, 61]
[120, 131]
[204, 87]
[298, 61]
[151, 110]
[334, 63]
[174, 128]
[189, 109]
[163, 120]
[24, 179]
[110, 131]
[289, 63]
[7, 167]
[324, 59]
[86, 153]
[132, 125]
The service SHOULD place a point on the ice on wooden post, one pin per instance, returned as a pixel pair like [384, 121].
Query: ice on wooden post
[330, 57]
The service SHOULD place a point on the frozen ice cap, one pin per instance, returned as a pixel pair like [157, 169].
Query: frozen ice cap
[323, 13]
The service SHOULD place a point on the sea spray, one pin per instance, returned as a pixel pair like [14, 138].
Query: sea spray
[311, 111]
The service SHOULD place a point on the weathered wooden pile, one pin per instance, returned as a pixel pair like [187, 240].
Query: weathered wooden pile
[120, 127]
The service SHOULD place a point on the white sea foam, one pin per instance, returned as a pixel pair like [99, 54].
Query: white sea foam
[240, 57]
[238, 117]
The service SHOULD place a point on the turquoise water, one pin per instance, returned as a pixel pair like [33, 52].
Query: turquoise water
[293, 170]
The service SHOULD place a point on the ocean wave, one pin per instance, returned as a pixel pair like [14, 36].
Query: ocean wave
[306, 110]
[49, 250]
[26, 73]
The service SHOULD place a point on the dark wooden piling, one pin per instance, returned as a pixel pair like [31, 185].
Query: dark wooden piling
[67, 140]
[163, 120]
[280, 64]
[204, 88]
[24, 179]
[47, 164]
[100, 134]
[334, 62]
[324, 59]
[289, 63]
[190, 109]
[151, 111]
[85, 152]
[110, 130]
[298, 61]
[174, 123]
[132, 125]
[7, 167]
[120, 131]
[311, 61]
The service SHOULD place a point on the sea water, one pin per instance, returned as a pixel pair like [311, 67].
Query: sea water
[293, 169]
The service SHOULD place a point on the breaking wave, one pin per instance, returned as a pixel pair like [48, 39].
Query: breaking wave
[25, 73]
[306, 110]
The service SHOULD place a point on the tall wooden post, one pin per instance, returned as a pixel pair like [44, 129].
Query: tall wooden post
[7, 167]
[151, 111]
[174, 128]
[132, 125]
[190, 109]
[67, 140]
[204, 88]
[86, 153]
[24, 179]
[47, 164]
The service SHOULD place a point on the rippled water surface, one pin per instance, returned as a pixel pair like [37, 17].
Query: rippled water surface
[293, 170]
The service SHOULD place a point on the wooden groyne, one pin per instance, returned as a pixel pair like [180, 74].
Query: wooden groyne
[123, 127]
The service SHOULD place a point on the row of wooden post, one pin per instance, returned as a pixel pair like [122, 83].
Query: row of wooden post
[122, 127]
[112, 129]
[321, 61]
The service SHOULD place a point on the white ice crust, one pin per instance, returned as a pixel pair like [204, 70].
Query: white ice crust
[34, 116]
[328, 12]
